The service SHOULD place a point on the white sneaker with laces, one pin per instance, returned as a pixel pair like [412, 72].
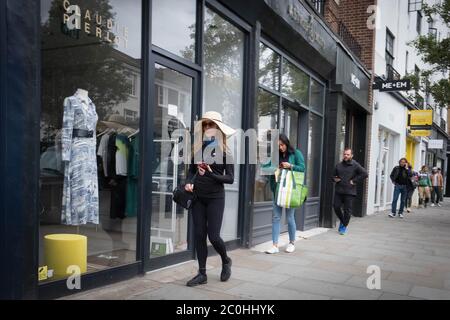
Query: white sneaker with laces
[273, 250]
[290, 248]
[432, 204]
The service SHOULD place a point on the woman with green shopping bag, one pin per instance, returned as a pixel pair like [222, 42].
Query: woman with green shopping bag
[290, 159]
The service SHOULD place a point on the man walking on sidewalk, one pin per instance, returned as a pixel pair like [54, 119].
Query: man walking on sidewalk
[347, 174]
[399, 177]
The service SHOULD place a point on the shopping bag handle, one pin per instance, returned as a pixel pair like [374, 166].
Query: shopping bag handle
[293, 179]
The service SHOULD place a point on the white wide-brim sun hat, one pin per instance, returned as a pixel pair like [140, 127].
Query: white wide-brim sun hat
[216, 117]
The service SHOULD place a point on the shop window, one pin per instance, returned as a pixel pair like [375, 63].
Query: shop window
[267, 115]
[89, 135]
[174, 26]
[223, 92]
[269, 68]
[295, 83]
[317, 96]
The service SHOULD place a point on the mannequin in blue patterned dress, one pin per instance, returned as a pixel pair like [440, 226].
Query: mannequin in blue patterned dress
[80, 204]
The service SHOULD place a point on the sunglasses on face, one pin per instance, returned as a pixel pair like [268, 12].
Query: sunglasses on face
[208, 124]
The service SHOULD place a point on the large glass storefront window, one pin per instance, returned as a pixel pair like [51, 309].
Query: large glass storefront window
[287, 82]
[173, 26]
[91, 70]
[223, 92]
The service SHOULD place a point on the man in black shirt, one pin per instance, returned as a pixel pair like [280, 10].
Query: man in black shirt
[347, 174]
[399, 177]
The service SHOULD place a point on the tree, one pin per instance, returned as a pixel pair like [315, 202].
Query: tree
[436, 53]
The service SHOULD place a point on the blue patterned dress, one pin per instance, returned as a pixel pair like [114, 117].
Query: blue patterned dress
[80, 204]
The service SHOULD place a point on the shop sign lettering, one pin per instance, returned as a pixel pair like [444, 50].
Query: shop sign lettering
[76, 19]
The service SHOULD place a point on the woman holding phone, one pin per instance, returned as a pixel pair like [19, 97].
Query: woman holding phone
[292, 159]
[207, 210]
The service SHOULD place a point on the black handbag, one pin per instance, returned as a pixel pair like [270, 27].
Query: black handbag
[182, 197]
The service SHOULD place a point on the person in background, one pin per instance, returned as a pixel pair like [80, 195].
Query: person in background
[411, 187]
[400, 176]
[442, 189]
[347, 174]
[424, 186]
[438, 182]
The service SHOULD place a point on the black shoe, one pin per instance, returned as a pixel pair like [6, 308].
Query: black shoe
[197, 280]
[226, 270]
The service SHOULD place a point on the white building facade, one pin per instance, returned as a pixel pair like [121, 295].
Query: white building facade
[399, 23]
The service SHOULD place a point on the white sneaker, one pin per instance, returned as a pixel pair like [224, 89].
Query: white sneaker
[432, 204]
[439, 205]
[391, 215]
[400, 215]
[273, 250]
[408, 210]
[290, 248]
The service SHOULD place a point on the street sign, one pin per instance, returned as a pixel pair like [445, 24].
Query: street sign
[435, 144]
[393, 85]
[420, 118]
[420, 133]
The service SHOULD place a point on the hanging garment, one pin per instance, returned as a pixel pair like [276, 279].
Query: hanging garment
[133, 172]
[80, 204]
[103, 152]
[111, 156]
[122, 143]
[118, 197]
[117, 153]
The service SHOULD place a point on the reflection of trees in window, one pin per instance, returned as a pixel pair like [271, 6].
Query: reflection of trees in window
[295, 83]
[267, 104]
[75, 59]
[269, 67]
[223, 56]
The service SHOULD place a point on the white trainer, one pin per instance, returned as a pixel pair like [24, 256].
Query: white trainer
[273, 250]
[432, 204]
[290, 248]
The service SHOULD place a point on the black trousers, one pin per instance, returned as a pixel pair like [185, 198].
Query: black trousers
[346, 201]
[207, 215]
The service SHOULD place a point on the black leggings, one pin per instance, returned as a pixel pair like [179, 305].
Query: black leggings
[207, 215]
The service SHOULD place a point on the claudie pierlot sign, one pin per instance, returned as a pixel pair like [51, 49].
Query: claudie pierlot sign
[92, 23]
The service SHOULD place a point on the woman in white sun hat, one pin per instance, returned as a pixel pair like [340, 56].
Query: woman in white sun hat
[215, 167]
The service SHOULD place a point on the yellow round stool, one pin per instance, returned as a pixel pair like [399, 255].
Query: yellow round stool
[64, 250]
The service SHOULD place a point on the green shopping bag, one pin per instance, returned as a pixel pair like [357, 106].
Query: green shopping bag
[291, 191]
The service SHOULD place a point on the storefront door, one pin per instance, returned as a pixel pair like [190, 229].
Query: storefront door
[173, 114]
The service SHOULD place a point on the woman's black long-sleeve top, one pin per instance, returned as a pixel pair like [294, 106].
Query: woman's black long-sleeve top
[211, 184]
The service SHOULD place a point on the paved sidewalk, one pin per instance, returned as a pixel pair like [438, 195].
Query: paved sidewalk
[413, 254]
